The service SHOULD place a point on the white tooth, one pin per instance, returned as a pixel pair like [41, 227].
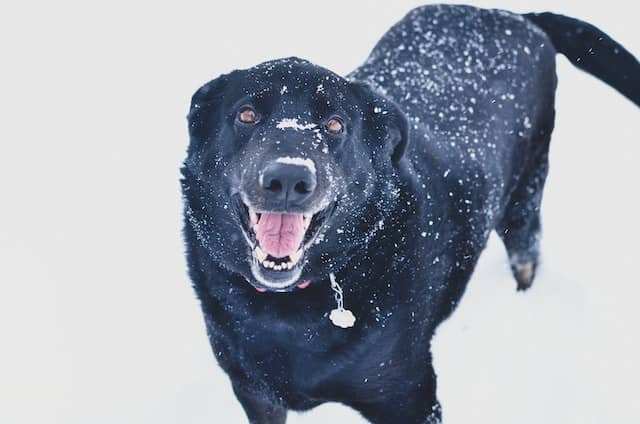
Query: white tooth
[260, 254]
[254, 216]
[277, 267]
[296, 257]
[289, 265]
[267, 264]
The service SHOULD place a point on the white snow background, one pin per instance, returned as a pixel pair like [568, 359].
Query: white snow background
[98, 322]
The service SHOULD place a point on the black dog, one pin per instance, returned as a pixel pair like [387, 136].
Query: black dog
[307, 193]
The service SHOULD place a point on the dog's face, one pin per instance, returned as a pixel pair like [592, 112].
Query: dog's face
[289, 168]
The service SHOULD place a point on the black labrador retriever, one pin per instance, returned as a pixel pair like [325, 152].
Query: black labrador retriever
[332, 222]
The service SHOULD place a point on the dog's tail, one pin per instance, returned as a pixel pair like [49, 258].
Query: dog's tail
[593, 51]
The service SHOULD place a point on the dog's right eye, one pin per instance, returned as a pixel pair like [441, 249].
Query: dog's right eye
[334, 125]
[248, 115]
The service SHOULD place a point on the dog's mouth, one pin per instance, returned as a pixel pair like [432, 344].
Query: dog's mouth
[279, 243]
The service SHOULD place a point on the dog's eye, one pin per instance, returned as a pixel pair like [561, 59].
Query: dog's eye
[248, 115]
[334, 126]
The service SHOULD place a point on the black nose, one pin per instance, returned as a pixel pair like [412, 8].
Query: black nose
[288, 182]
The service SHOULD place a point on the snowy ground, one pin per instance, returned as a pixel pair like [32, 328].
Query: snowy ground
[97, 318]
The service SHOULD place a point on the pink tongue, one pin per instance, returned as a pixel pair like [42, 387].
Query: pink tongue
[280, 234]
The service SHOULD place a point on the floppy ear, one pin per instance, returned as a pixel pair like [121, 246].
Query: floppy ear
[203, 101]
[209, 92]
[386, 119]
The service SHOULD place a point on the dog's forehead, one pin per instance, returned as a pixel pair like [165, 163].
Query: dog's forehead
[294, 77]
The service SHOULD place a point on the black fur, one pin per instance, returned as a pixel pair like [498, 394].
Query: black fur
[447, 134]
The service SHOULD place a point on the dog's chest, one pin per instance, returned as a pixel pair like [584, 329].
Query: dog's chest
[311, 361]
[291, 355]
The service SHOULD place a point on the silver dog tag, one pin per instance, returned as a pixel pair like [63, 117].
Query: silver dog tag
[342, 318]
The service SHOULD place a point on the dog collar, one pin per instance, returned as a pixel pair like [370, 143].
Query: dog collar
[340, 317]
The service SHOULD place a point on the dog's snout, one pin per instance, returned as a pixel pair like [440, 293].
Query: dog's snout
[288, 182]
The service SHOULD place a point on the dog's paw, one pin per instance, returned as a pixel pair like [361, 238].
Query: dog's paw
[524, 274]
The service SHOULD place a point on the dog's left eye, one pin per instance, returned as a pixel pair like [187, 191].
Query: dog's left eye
[334, 125]
[248, 115]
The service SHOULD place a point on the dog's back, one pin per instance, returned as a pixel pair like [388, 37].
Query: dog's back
[478, 87]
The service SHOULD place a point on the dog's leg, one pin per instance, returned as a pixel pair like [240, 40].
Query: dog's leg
[395, 412]
[260, 410]
[391, 413]
[519, 227]
[416, 404]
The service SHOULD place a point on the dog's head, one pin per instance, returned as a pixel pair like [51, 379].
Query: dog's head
[290, 168]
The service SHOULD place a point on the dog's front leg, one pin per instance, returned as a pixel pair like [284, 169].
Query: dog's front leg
[259, 409]
[409, 403]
